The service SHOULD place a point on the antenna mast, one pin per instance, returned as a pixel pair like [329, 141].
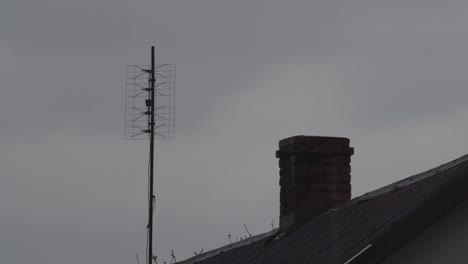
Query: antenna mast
[151, 86]
[152, 198]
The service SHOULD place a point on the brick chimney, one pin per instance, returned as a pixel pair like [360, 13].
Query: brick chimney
[314, 176]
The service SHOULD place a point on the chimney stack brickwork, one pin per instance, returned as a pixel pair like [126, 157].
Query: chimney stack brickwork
[315, 174]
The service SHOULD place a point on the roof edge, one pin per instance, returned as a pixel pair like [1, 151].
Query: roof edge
[401, 183]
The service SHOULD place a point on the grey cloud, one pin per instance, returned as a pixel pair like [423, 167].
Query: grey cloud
[389, 75]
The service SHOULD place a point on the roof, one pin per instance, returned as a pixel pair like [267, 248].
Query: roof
[365, 229]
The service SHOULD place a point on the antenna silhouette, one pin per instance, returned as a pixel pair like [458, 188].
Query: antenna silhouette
[247, 231]
[150, 113]
[173, 258]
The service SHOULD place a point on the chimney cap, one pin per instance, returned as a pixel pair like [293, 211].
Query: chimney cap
[316, 140]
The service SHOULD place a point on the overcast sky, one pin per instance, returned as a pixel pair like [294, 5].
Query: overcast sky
[390, 75]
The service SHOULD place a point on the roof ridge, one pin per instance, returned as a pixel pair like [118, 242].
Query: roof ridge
[401, 183]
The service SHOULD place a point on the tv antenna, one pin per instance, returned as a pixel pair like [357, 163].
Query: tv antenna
[150, 113]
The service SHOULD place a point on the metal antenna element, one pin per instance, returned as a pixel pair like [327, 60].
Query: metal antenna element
[143, 83]
[247, 231]
[173, 258]
[150, 113]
